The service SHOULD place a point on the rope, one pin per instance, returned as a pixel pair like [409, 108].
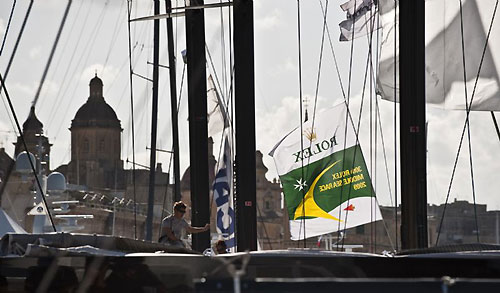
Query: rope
[468, 109]
[468, 121]
[61, 56]
[39, 185]
[395, 127]
[114, 36]
[129, 8]
[351, 58]
[54, 46]
[8, 26]
[54, 110]
[301, 121]
[18, 39]
[333, 53]
[357, 129]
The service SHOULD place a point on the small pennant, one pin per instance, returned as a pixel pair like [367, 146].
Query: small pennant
[350, 208]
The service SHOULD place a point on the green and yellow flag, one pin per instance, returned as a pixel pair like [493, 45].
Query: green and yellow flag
[326, 184]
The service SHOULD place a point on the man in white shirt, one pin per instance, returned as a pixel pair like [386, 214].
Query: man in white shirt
[174, 227]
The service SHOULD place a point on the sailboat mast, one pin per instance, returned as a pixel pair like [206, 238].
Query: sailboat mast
[173, 102]
[198, 128]
[244, 88]
[154, 122]
[412, 124]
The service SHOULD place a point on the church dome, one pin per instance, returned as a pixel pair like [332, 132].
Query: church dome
[96, 112]
[32, 123]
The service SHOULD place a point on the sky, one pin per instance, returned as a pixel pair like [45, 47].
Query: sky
[95, 40]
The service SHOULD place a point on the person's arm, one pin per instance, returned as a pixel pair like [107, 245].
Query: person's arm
[194, 230]
[167, 231]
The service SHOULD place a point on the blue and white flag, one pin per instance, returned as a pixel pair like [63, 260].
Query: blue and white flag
[223, 194]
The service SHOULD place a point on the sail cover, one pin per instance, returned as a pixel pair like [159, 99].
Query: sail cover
[325, 181]
[444, 62]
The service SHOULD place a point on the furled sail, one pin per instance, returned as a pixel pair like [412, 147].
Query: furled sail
[325, 181]
[444, 62]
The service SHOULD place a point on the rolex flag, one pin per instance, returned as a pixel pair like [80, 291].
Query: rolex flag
[327, 187]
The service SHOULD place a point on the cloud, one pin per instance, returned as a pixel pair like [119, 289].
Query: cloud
[35, 52]
[108, 74]
[269, 21]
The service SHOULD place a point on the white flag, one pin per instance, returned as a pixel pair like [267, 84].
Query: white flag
[216, 112]
[327, 187]
[223, 195]
[361, 19]
[444, 67]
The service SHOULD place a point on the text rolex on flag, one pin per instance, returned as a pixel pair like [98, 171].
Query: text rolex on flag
[326, 187]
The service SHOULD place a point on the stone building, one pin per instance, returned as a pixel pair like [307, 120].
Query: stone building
[95, 144]
[95, 175]
[37, 143]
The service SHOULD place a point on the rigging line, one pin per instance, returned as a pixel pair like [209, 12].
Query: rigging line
[375, 75]
[358, 129]
[60, 94]
[495, 123]
[468, 120]
[315, 100]
[318, 74]
[383, 151]
[172, 148]
[351, 57]
[303, 220]
[231, 100]
[223, 49]
[8, 26]
[468, 109]
[114, 36]
[129, 8]
[21, 135]
[98, 26]
[386, 228]
[61, 53]
[371, 144]
[54, 46]
[216, 77]
[333, 53]
[395, 127]
[18, 39]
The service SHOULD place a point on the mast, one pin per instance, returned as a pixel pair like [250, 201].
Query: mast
[198, 129]
[154, 123]
[244, 88]
[173, 102]
[412, 124]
